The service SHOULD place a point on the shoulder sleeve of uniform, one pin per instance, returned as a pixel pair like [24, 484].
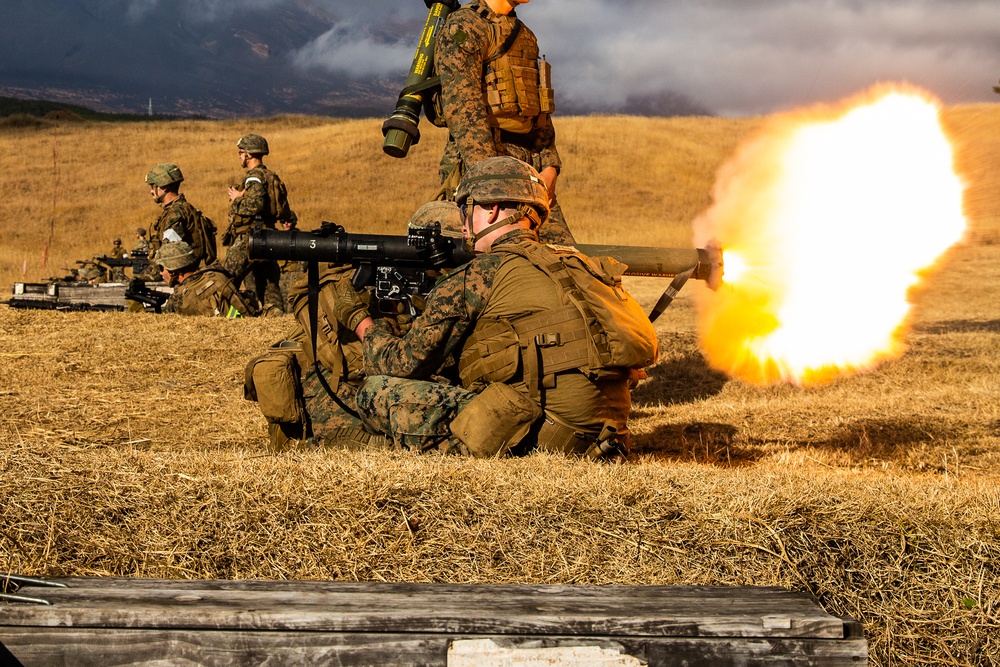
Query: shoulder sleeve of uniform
[255, 175]
[465, 30]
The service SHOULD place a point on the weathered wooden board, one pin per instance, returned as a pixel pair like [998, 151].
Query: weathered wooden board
[237, 623]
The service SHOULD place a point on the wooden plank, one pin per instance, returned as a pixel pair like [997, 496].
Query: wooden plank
[116, 648]
[428, 608]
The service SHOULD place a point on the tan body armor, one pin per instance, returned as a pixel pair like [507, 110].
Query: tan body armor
[552, 354]
[517, 86]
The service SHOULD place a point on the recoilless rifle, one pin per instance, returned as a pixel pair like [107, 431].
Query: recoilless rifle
[402, 269]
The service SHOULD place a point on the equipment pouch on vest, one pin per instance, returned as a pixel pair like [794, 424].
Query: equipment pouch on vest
[433, 103]
[272, 380]
[495, 420]
[620, 334]
[517, 83]
[490, 355]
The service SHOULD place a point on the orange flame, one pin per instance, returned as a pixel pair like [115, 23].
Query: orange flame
[826, 219]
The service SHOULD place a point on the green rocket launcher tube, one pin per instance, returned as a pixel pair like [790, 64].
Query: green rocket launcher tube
[400, 129]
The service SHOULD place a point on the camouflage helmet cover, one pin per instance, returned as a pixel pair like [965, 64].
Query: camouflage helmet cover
[444, 212]
[504, 179]
[117, 241]
[253, 144]
[174, 256]
[164, 174]
[141, 231]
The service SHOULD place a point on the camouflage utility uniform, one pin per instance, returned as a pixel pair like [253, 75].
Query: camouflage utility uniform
[254, 207]
[180, 218]
[141, 243]
[493, 100]
[211, 292]
[117, 272]
[499, 286]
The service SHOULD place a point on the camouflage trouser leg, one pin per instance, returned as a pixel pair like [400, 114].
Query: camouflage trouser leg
[266, 279]
[413, 413]
[288, 278]
[260, 276]
[331, 424]
[325, 414]
[237, 260]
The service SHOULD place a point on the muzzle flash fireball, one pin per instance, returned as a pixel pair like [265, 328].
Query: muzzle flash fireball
[826, 220]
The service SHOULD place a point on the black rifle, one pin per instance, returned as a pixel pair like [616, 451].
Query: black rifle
[137, 259]
[137, 291]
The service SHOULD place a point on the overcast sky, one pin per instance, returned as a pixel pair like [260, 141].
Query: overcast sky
[732, 57]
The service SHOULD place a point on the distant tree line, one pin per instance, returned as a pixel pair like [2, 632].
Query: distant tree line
[12, 106]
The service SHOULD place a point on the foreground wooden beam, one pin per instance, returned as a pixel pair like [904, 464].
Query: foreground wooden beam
[103, 622]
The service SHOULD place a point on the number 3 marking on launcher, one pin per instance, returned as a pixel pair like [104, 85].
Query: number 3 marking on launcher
[312, 244]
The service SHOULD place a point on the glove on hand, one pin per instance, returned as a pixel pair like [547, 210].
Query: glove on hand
[350, 306]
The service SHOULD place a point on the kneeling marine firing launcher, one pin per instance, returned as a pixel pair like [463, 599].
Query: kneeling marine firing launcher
[398, 268]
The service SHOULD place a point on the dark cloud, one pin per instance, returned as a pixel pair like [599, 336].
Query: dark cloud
[729, 57]
[741, 58]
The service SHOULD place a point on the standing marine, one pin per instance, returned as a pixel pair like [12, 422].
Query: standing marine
[291, 271]
[496, 99]
[141, 242]
[262, 201]
[548, 342]
[117, 252]
[179, 220]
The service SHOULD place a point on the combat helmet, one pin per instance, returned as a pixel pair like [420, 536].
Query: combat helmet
[174, 256]
[504, 179]
[444, 213]
[164, 174]
[253, 144]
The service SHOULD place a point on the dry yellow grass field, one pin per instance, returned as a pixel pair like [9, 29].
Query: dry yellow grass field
[126, 447]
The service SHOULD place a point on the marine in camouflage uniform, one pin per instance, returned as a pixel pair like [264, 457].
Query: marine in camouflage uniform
[496, 99]
[499, 406]
[117, 252]
[141, 242]
[333, 421]
[208, 291]
[179, 220]
[252, 205]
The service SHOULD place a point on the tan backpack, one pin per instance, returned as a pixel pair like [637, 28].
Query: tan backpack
[203, 241]
[620, 333]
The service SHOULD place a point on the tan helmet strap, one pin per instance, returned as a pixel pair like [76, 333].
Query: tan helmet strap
[523, 211]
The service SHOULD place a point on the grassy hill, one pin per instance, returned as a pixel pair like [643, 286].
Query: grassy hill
[126, 447]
